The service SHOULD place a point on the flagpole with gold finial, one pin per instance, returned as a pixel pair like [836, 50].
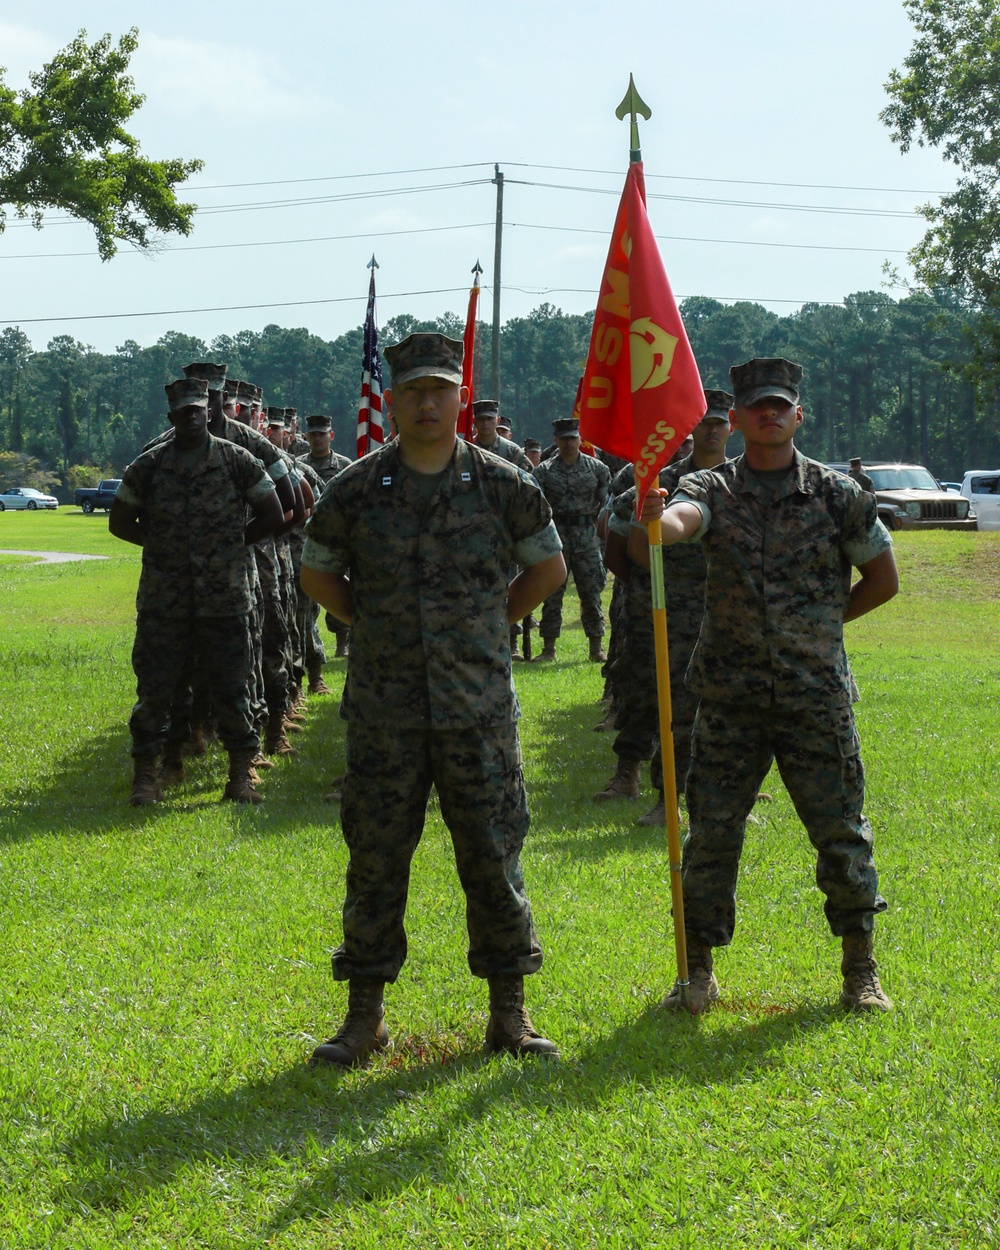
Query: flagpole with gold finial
[631, 106]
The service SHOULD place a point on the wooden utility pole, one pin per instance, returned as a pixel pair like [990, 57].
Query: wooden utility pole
[495, 345]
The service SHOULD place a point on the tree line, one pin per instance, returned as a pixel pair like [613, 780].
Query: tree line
[886, 378]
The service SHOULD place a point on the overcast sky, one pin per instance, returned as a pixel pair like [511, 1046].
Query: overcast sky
[330, 131]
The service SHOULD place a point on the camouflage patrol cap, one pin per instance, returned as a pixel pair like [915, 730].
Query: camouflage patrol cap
[275, 418]
[187, 393]
[486, 408]
[318, 423]
[503, 424]
[246, 392]
[532, 444]
[761, 377]
[719, 403]
[425, 356]
[566, 427]
[214, 375]
[233, 387]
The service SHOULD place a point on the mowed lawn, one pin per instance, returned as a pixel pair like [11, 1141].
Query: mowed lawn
[166, 974]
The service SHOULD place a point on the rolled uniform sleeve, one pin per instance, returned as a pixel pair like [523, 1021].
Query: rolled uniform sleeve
[528, 518]
[130, 489]
[258, 491]
[541, 546]
[683, 496]
[327, 547]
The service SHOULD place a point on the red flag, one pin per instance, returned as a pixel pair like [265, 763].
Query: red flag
[642, 394]
[469, 359]
[371, 425]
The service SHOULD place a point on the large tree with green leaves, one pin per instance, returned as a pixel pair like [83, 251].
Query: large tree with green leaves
[947, 95]
[63, 145]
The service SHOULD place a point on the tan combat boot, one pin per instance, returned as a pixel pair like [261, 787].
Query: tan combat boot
[316, 683]
[702, 989]
[623, 785]
[242, 780]
[172, 767]
[656, 815]
[197, 743]
[146, 782]
[861, 991]
[510, 1029]
[276, 740]
[548, 651]
[363, 1032]
[597, 653]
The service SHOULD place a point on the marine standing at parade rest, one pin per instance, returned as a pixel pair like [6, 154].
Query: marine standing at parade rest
[576, 487]
[327, 463]
[856, 473]
[487, 416]
[297, 445]
[684, 569]
[781, 534]
[411, 546]
[184, 503]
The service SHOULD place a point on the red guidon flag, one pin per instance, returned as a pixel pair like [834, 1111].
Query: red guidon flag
[469, 358]
[641, 392]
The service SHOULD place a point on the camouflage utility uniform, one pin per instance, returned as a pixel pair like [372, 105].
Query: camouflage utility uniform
[684, 569]
[774, 683]
[194, 590]
[428, 697]
[575, 493]
[507, 450]
[326, 469]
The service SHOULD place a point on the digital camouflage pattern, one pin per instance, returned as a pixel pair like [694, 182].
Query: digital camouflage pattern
[327, 467]
[161, 659]
[478, 778]
[507, 450]
[576, 493]
[429, 641]
[194, 560]
[763, 377]
[684, 571]
[819, 759]
[779, 575]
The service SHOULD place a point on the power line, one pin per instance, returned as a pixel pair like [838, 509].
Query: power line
[291, 182]
[688, 238]
[212, 247]
[181, 312]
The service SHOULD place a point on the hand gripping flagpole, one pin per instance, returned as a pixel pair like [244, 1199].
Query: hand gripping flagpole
[632, 105]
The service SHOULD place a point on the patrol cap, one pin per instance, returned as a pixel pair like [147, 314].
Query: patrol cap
[317, 423]
[275, 418]
[233, 387]
[214, 375]
[425, 356]
[761, 377]
[855, 460]
[486, 408]
[532, 444]
[719, 403]
[187, 393]
[566, 427]
[503, 424]
[246, 392]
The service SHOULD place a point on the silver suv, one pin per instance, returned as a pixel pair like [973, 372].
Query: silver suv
[909, 498]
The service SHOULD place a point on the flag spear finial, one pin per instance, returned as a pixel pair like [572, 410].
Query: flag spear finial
[633, 104]
[477, 267]
[373, 263]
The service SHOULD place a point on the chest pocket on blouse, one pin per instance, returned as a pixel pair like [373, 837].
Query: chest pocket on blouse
[479, 554]
[377, 557]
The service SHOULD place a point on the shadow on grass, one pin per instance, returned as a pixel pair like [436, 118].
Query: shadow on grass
[87, 791]
[356, 1129]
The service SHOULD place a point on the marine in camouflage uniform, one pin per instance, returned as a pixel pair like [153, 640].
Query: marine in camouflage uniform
[429, 698]
[781, 534]
[684, 569]
[576, 487]
[296, 445]
[184, 502]
[326, 463]
[487, 414]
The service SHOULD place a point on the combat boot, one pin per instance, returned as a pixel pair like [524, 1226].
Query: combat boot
[702, 989]
[363, 1032]
[623, 785]
[145, 783]
[242, 780]
[548, 651]
[197, 744]
[510, 1028]
[172, 767]
[343, 648]
[597, 653]
[260, 761]
[316, 683]
[276, 740]
[861, 991]
[656, 815]
[608, 723]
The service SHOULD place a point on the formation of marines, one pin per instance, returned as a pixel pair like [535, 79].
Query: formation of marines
[426, 554]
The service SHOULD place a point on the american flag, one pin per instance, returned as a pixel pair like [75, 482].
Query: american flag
[371, 424]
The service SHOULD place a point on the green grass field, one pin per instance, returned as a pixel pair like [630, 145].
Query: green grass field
[167, 974]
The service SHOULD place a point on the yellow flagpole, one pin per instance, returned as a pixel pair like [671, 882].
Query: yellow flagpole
[667, 749]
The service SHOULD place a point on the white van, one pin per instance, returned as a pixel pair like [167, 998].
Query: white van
[982, 489]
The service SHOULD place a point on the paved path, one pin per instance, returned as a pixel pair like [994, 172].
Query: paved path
[49, 557]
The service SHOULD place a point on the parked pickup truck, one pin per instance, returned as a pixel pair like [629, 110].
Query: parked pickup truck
[91, 497]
